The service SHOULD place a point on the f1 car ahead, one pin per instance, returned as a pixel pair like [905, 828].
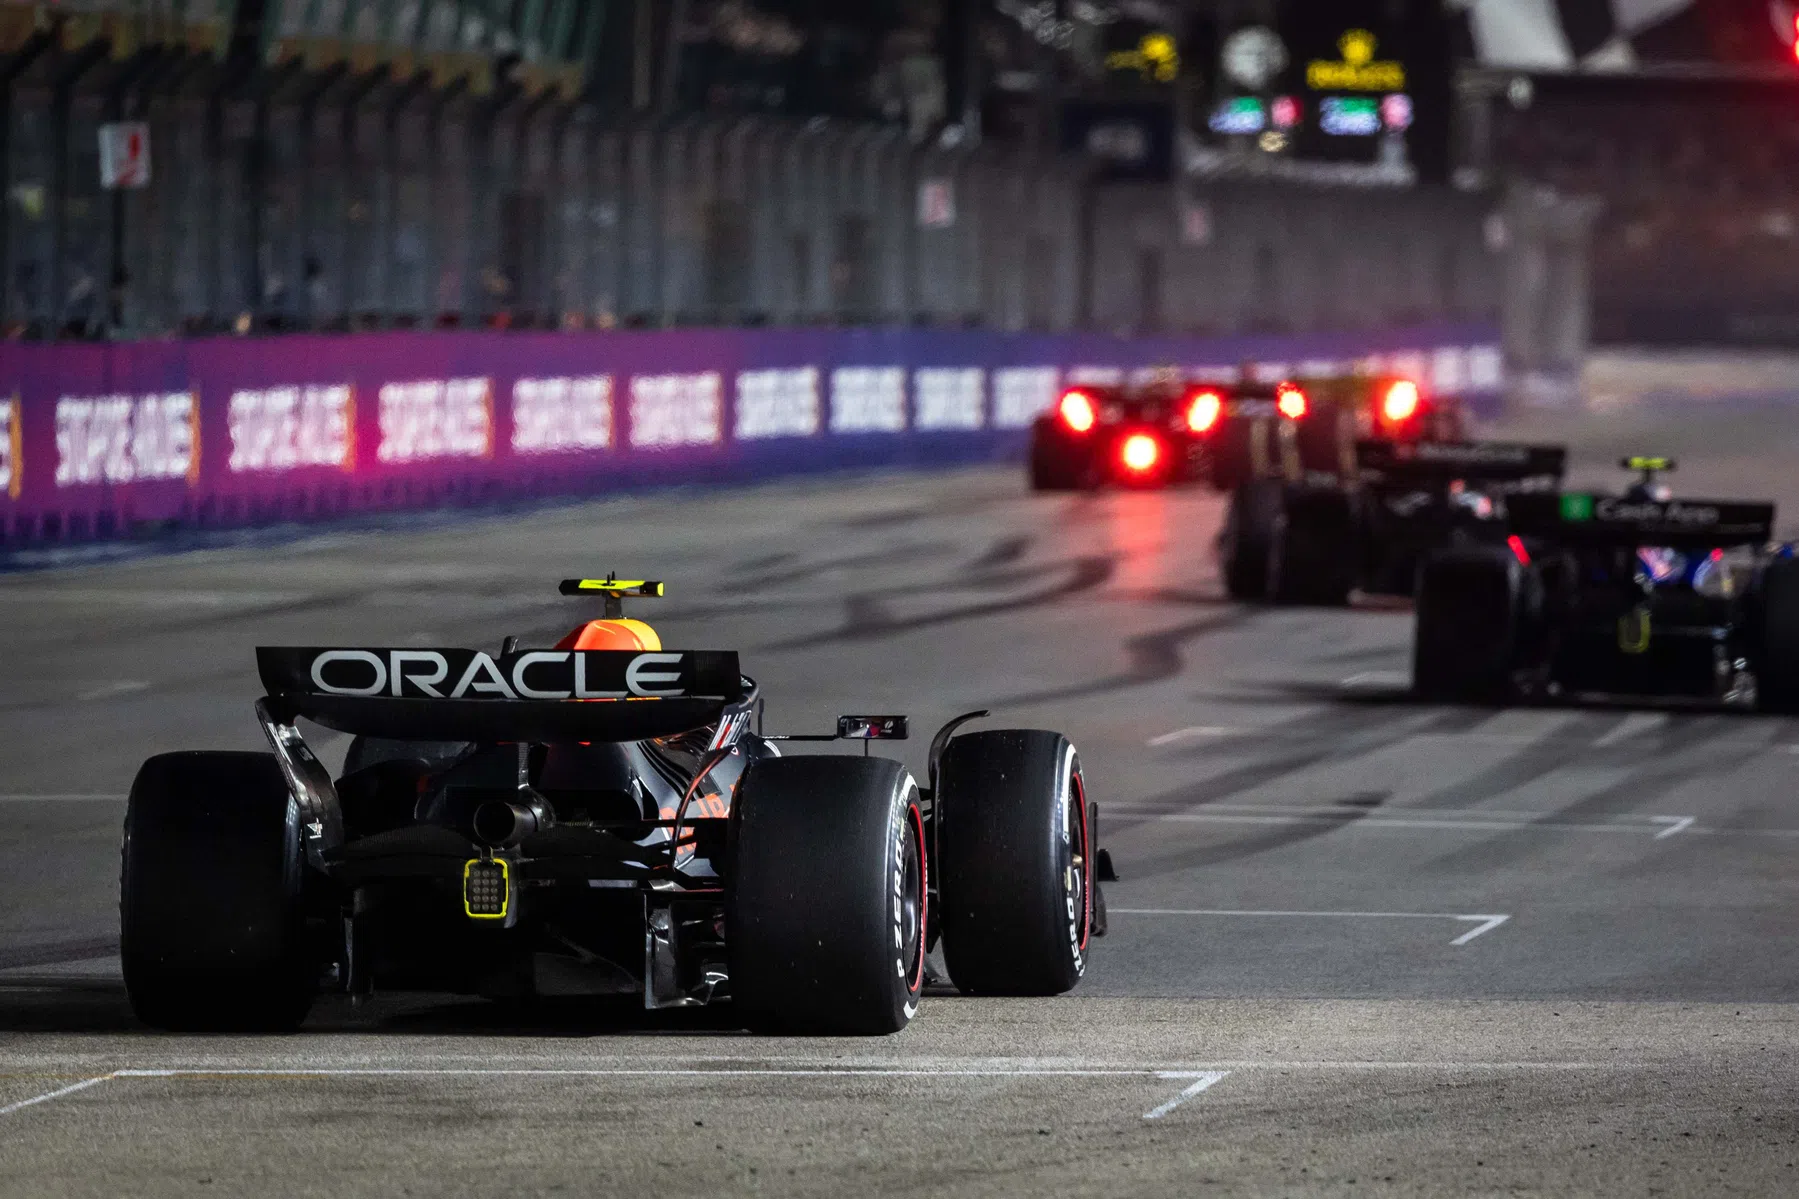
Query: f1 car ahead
[1639, 594]
[1166, 432]
[1314, 539]
[1153, 435]
[594, 818]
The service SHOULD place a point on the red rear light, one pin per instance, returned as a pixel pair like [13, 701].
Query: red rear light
[1140, 453]
[1077, 411]
[1291, 401]
[1401, 402]
[1518, 550]
[1203, 411]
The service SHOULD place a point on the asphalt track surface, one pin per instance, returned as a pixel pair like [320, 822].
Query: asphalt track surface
[1360, 946]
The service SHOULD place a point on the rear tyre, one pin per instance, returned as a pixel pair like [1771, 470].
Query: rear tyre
[1467, 637]
[826, 901]
[1017, 863]
[1312, 556]
[1247, 542]
[212, 931]
[1053, 468]
[1777, 638]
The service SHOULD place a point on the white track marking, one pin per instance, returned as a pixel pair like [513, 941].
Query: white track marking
[1486, 923]
[1191, 734]
[1200, 1084]
[1378, 678]
[58, 1093]
[877, 1068]
[112, 690]
[651, 1072]
[1633, 725]
[1676, 824]
[1364, 818]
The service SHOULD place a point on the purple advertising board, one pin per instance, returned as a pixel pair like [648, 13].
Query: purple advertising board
[106, 440]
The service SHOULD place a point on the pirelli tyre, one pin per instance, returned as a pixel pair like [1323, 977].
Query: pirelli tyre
[1774, 609]
[1470, 618]
[1057, 465]
[1247, 541]
[825, 899]
[1017, 863]
[1312, 554]
[211, 919]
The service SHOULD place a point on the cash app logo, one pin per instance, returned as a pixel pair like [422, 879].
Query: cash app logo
[1577, 507]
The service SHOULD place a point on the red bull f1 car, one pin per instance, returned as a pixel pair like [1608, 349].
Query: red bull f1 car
[598, 817]
[1639, 594]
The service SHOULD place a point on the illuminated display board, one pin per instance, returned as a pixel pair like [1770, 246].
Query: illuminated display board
[1343, 81]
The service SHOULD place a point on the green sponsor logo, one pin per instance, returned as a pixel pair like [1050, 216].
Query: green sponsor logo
[1577, 507]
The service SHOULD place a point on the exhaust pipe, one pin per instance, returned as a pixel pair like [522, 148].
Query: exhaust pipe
[503, 825]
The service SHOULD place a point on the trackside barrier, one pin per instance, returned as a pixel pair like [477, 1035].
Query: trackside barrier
[106, 441]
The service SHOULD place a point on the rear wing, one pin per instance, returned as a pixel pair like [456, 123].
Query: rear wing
[1584, 517]
[1435, 461]
[542, 696]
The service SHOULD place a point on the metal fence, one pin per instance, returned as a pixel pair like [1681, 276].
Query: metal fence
[285, 200]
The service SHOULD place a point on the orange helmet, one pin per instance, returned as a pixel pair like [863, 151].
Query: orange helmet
[612, 634]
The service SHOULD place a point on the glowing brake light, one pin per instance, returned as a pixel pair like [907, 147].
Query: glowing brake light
[1204, 411]
[1518, 551]
[1291, 401]
[1401, 402]
[1140, 452]
[1077, 411]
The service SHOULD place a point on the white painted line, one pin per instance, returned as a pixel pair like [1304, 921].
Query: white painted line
[58, 1093]
[112, 690]
[1636, 724]
[1676, 824]
[1487, 923]
[62, 798]
[1378, 678]
[874, 1069]
[645, 1072]
[1354, 818]
[1194, 733]
[1201, 1084]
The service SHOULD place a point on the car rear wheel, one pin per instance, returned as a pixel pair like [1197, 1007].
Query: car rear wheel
[1017, 863]
[1054, 467]
[1247, 541]
[1312, 555]
[1776, 638]
[1466, 641]
[826, 897]
[212, 930]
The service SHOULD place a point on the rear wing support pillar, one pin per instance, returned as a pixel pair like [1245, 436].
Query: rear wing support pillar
[321, 816]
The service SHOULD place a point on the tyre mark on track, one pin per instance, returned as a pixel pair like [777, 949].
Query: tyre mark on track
[1154, 657]
[1340, 736]
[1559, 748]
[1688, 750]
[56, 953]
[866, 618]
